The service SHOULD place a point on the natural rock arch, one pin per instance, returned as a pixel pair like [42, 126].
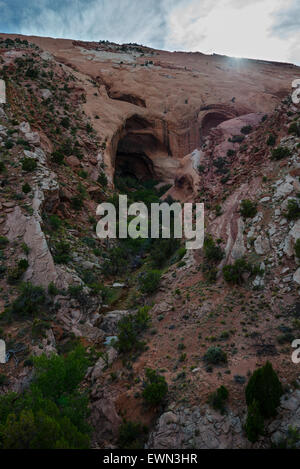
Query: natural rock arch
[137, 149]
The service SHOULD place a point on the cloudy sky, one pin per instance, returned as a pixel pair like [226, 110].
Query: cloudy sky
[265, 29]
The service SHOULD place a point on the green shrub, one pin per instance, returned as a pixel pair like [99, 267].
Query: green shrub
[26, 188]
[2, 167]
[83, 174]
[237, 138]
[156, 388]
[55, 222]
[129, 329]
[234, 273]
[29, 164]
[212, 252]
[52, 289]
[293, 210]
[65, 122]
[297, 248]
[32, 73]
[255, 422]
[215, 356]
[265, 388]
[89, 128]
[115, 263]
[16, 273]
[3, 242]
[279, 153]
[271, 140]
[131, 435]
[62, 254]
[3, 380]
[31, 301]
[9, 144]
[25, 248]
[58, 157]
[58, 375]
[162, 250]
[52, 414]
[102, 179]
[291, 441]
[230, 153]
[248, 209]
[247, 129]
[77, 203]
[217, 399]
[2, 270]
[294, 129]
[149, 281]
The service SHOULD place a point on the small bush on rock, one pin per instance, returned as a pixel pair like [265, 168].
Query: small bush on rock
[26, 188]
[3, 242]
[129, 329]
[255, 422]
[217, 399]
[234, 273]
[297, 248]
[29, 164]
[293, 210]
[131, 435]
[247, 129]
[294, 129]
[248, 209]
[30, 302]
[156, 388]
[271, 140]
[279, 153]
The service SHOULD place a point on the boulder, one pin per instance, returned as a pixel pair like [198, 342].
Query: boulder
[46, 94]
[261, 245]
[108, 358]
[291, 239]
[110, 321]
[104, 420]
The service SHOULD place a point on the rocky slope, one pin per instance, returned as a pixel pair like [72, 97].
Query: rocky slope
[76, 115]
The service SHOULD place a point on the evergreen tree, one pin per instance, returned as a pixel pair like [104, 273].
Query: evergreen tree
[255, 422]
[264, 387]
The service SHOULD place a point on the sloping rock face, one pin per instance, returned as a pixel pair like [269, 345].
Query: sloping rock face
[41, 269]
[198, 428]
[128, 104]
[203, 428]
[2, 92]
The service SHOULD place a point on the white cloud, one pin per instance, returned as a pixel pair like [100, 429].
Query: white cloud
[264, 29]
[232, 28]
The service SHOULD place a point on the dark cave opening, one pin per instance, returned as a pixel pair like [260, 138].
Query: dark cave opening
[134, 165]
[212, 120]
[135, 151]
